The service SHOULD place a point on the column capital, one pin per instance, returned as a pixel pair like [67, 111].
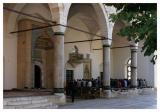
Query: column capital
[59, 27]
[59, 33]
[105, 45]
[133, 50]
[133, 45]
[133, 67]
[107, 42]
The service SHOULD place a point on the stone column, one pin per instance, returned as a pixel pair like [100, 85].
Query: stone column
[134, 48]
[24, 62]
[58, 62]
[106, 71]
[43, 69]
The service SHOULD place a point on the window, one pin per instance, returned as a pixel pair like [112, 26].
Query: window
[69, 75]
[129, 69]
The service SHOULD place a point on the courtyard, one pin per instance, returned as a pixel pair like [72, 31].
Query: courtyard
[57, 50]
[144, 101]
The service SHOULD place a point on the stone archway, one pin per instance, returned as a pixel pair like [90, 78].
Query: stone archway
[90, 18]
[38, 75]
[97, 9]
[20, 73]
[119, 56]
[96, 19]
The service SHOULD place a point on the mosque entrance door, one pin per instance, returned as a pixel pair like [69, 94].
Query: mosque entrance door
[37, 77]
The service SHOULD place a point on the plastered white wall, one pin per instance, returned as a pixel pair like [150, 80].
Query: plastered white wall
[84, 48]
[119, 62]
[145, 69]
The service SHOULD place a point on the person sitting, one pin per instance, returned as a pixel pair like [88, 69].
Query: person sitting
[78, 83]
[144, 83]
[93, 83]
[84, 83]
[89, 84]
[138, 83]
[141, 83]
[119, 84]
[125, 84]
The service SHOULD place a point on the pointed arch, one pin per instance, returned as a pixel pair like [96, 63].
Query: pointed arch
[101, 16]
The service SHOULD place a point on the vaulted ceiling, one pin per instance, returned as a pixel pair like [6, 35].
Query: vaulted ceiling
[85, 13]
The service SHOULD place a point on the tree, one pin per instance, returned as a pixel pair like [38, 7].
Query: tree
[141, 25]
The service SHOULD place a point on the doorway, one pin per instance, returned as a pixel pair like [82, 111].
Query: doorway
[69, 78]
[37, 77]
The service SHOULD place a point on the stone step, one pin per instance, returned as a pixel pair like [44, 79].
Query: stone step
[33, 101]
[32, 106]
[37, 102]
[23, 100]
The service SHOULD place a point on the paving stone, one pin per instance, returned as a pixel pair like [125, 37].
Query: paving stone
[144, 101]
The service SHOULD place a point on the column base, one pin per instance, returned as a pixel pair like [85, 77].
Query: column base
[59, 98]
[107, 94]
[133, 86]
[58, 90]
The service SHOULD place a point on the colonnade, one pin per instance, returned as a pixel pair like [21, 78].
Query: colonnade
[58, 67]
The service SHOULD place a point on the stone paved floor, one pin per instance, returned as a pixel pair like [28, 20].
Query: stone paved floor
[130, 102]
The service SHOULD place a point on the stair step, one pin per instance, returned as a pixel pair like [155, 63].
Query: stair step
[23, 100]
[14, 103]
[36, 102]
[32, 106]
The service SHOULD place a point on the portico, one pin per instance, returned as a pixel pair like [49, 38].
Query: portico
[42, 58]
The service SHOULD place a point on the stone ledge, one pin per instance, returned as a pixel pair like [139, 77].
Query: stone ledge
[50, 101]
[132, 92]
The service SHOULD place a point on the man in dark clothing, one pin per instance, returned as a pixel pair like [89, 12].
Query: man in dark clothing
[73, 90]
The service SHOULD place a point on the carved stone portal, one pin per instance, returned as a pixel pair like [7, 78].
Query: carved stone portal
[87, 70]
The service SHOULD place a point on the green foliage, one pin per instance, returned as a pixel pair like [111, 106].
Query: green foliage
[141, 19]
